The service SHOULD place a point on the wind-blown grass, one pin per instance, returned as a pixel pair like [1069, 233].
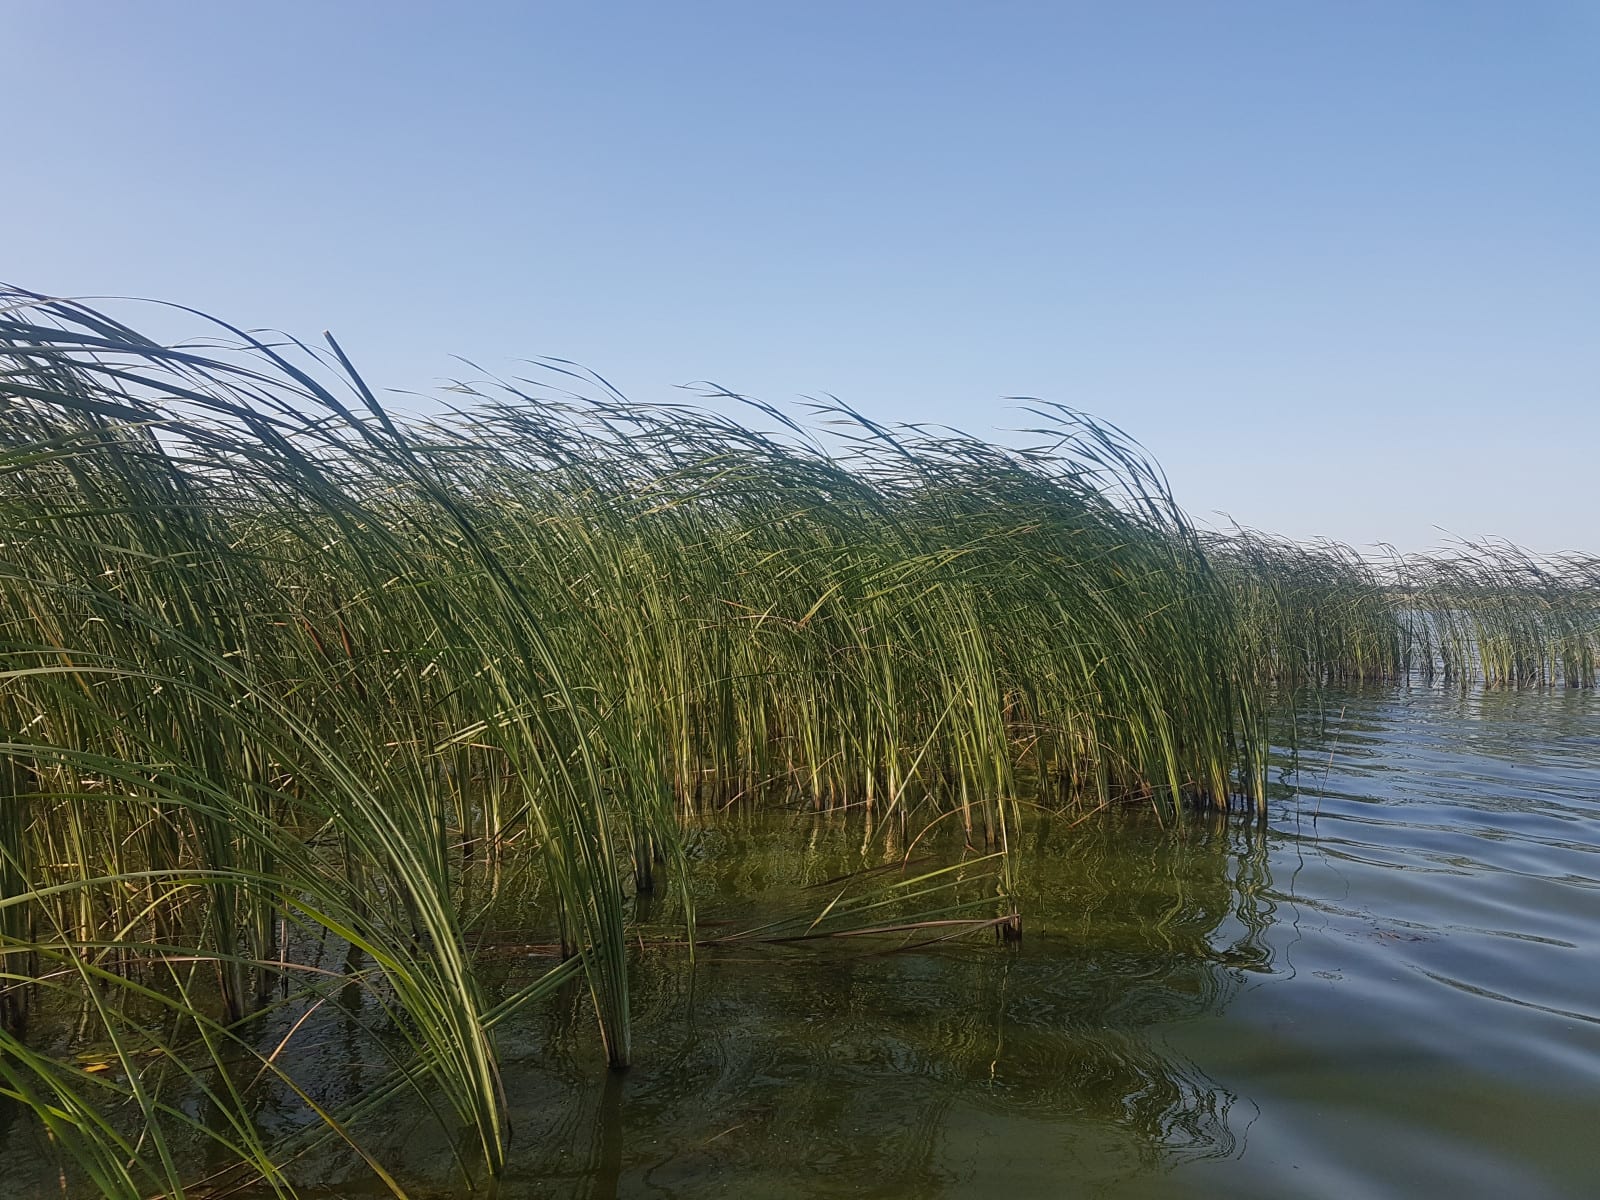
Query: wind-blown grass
[295, 687]
[1485, 613]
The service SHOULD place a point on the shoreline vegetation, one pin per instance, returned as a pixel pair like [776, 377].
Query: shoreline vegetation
[287, 667]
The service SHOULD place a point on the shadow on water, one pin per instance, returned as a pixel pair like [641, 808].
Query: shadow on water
[823, 1069]
[862, 1066]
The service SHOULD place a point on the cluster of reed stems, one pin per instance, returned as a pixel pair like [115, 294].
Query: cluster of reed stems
[1480, 614]
[282, 668]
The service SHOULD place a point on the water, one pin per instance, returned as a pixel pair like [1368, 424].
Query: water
[1389, 988]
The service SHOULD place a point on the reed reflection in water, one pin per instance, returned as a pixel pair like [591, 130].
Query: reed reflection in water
[827, 1069]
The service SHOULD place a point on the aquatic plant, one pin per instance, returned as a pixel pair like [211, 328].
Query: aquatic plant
[302, 693]
[1485, 613]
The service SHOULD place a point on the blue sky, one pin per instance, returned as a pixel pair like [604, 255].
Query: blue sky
[1337, 265]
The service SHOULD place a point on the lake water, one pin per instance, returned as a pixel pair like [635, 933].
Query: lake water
[1388, 988]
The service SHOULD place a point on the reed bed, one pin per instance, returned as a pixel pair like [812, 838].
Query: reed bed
[1479, 614]
[301, 694]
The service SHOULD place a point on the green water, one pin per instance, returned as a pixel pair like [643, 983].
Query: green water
[1389, 988]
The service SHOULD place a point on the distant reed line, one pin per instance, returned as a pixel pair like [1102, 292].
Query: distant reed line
[1482, 614]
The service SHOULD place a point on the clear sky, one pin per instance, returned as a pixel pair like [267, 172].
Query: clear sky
[1337, 265]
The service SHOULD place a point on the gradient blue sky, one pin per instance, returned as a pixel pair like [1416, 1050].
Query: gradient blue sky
[1337, 265]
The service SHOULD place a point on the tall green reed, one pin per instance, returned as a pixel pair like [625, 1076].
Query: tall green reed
[284, 667]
